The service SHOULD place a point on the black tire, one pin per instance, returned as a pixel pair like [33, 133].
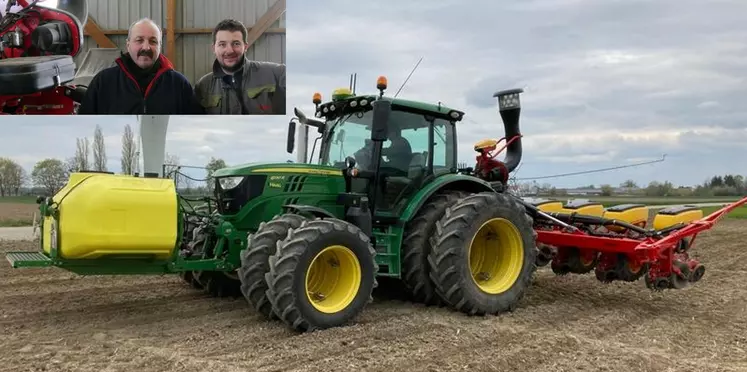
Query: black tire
[449, 259]
[188, 277]
[219, 284]
[288, 267]
[416, 247]
[254, 260]
[575, 262]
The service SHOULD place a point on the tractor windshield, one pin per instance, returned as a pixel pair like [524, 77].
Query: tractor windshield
[406, 148]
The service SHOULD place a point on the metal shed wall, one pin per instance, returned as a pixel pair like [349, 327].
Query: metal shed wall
[194, 56]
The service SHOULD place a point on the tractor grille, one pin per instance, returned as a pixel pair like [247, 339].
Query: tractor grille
[295, 183]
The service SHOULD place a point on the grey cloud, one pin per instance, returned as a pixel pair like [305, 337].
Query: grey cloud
[687, 71]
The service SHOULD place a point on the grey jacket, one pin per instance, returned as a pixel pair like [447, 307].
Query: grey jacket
[261, 85]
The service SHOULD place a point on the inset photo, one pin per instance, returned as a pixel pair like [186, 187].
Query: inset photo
[154, 57]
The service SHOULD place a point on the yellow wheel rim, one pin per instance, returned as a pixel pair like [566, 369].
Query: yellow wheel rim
[496, 256]
[333, 279]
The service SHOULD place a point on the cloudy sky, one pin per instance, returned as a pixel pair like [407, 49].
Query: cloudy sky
[607, 83]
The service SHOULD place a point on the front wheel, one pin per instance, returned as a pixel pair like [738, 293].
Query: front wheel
[322, 275]
[483, 254]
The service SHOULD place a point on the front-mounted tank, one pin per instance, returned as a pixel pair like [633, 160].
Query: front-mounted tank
[103, 223]
[109, 216]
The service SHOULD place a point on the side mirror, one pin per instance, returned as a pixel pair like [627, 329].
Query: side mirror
[291, 142]
[350, 162]
[380, 125]
[303, 119]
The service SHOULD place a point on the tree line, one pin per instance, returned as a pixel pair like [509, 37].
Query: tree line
[50, 174]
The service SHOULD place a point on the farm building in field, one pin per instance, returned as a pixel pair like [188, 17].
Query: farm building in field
[187, 29]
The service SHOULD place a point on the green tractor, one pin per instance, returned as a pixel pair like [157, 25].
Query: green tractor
[305, 242]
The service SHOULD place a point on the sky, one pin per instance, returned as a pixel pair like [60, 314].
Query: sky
[607, 83]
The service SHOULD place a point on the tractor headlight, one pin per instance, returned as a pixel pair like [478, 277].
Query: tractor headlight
[227, 183]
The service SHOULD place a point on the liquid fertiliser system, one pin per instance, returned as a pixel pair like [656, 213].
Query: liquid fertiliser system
[306, 242]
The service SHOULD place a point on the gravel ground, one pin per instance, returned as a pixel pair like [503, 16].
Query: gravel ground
[56, 321]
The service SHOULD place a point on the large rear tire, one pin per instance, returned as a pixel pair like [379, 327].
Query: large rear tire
[416, 247]
[254, 260]
[322, 275]
[483, 254]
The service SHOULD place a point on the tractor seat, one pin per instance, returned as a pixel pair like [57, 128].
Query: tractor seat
[415, 170]
[395, 185]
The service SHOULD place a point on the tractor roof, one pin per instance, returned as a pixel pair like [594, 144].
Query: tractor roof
[344, 96]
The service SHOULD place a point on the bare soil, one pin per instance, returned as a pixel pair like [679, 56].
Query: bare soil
[12, 214]
[55, 321]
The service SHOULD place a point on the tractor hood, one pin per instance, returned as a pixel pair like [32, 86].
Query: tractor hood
[262, 189]
[267, 168]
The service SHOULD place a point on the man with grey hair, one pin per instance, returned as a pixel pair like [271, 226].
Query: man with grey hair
[142, 82]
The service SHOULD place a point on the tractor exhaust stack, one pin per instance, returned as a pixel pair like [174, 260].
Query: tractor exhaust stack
[509, 106]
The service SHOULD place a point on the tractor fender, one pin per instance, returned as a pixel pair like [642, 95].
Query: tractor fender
[314, 211]
[447, 182]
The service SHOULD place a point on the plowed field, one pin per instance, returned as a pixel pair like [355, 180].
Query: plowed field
[17, 214]
[55, 321]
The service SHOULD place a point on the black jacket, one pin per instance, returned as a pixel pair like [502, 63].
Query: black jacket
[116, 91]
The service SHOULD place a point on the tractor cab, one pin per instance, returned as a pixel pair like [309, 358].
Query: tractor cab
[410, 147]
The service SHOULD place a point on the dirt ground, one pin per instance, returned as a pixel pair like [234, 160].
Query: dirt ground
[17, 211]
[55, 321]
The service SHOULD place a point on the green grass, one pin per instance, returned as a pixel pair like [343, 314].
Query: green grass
[18, 199]
[739, 213]
[657, 200]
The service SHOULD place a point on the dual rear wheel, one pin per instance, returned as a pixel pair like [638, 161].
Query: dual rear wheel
[482, 254]
[475, 253]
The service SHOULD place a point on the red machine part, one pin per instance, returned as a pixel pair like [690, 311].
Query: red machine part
[486, 162]
[661, 256]
[35, 16]
[53, 101]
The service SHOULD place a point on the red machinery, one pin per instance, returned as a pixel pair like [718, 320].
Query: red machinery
[37, 46]
[661, 255]
[488, 167]
[614, 248]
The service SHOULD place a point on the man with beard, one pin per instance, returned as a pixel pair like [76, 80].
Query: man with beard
[238, 86]
[142, 82]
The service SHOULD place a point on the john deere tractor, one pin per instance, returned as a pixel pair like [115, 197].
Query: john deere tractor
[306, 242]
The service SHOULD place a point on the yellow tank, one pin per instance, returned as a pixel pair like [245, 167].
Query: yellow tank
[634, 214]
[585, 207]
[546, 205]
[114, 216]
[679, 214]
